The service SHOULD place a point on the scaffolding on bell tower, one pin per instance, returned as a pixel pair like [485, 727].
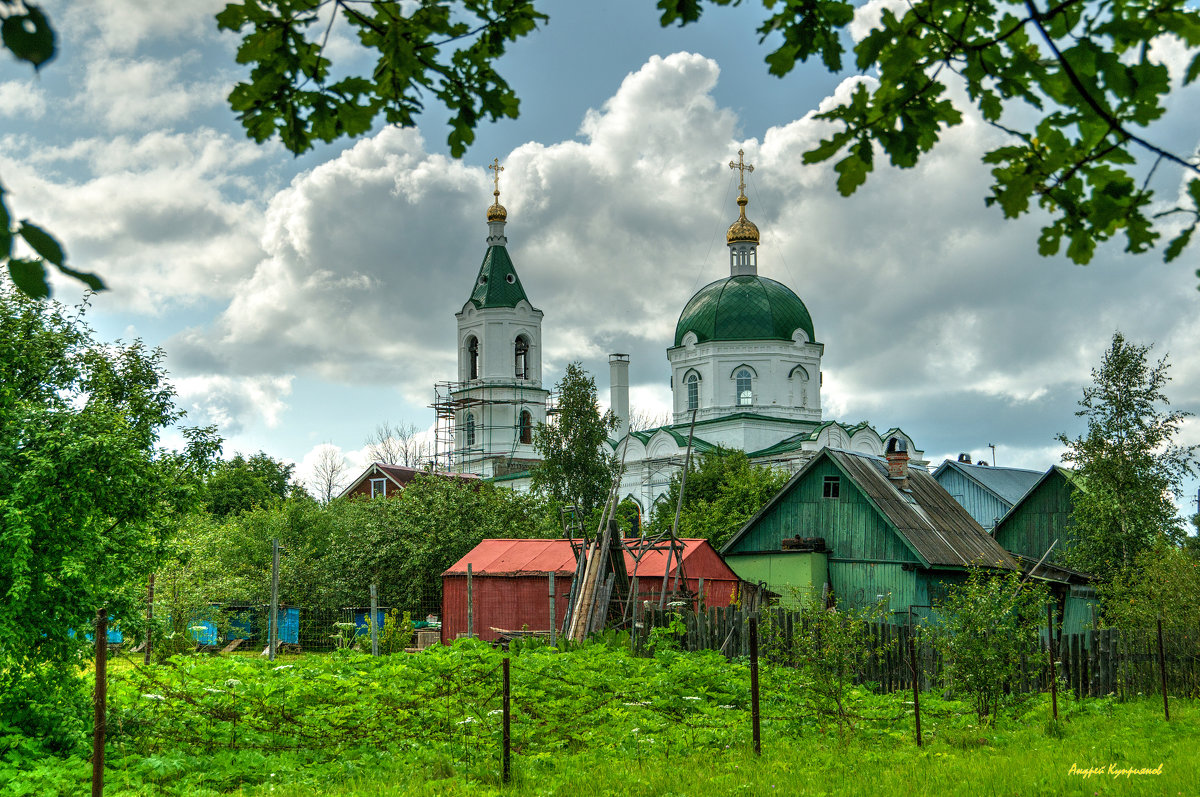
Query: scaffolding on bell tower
[494, 443]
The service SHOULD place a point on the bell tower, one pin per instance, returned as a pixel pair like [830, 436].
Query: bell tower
[498, 399]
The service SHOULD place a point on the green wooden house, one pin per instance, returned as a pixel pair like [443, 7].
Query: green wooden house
[867, 529]
[1037, 530]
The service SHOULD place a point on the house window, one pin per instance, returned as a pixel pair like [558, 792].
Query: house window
[833, 487]
[526, 427]
[692, 381]
[470, 429]
[472, 358]
[522, 357]
[378, 488]
[744, 397]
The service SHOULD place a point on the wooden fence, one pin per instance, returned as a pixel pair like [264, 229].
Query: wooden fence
[1092, 664]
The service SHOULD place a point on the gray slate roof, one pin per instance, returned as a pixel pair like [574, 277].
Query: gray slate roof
[1007, 484]
[940, 530]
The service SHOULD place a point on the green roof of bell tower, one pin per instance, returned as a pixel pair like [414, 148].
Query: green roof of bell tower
[745, 307]
[497, 284]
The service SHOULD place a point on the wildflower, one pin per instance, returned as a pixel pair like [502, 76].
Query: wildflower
[466, 721]
[691, 698]
[283, 667]
[153, 697]
[232, 682]
[724, 706]
[635, 730]
[494, 712]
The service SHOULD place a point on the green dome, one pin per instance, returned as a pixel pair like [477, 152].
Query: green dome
[746, 307]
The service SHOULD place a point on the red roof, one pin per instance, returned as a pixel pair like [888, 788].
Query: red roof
[520, 557]
[400, 475]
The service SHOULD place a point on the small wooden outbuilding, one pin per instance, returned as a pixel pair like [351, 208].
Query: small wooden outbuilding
[510, 584]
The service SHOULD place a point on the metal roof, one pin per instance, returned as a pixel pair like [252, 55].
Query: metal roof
[497, 284]
[745, 307]
[936, 526]
[1007, 484]
[400, 475]
[537, 557]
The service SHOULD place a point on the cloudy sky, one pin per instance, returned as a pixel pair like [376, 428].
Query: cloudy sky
[303, 301]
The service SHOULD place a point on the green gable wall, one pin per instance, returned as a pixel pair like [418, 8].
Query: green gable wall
[852, 529]
[867, 557]
[794, 575]
[1038, 519]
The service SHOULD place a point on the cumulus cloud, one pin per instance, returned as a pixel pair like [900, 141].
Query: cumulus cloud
[131, 93]
[21, 99]
[233, 402]
[938, 315]
[165, 218]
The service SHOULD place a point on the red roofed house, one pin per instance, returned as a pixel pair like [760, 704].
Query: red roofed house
[380, 479]
[510, 583]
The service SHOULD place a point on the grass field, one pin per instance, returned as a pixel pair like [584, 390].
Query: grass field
[591, 721]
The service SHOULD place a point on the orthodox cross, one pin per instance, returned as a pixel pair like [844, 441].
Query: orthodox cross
[742, 168]
[497, 168]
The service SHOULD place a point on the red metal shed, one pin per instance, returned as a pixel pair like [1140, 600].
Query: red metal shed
[510, 583]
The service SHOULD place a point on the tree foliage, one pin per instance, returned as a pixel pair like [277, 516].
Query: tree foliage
[1128, 464]
[983, 629]
[439, 48]
[577, 464]
[242, 483]
[724, 490]
[1086, 72]
[88, 497]
[333, 553]
[1164, 582]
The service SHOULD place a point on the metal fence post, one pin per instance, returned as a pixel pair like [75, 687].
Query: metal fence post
[507, 736]
[100, 701]
[1050, 652]
[470, 606]
[754, 713]
[552, 628]
[273, 641]
[1162, 669]
[916, 682]
[149, 619]
[374, 621]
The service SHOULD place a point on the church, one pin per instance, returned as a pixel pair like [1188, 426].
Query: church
[745, 373]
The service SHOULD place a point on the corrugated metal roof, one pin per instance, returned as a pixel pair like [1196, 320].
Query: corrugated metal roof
[937, 527]
[518, 557]
[1007, 484]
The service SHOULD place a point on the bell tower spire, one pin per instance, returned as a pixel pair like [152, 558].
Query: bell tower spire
[742, 237]
[496, 214]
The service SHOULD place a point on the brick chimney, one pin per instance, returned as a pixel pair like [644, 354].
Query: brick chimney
[897, 460]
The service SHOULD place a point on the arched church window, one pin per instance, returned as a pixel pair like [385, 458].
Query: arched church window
[522, 357]
[472, 357]
[526, 427]
[692, 381]
[470, 429]
[744, 395]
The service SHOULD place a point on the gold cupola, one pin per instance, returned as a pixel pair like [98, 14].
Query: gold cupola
[496, 211]
[743, 229]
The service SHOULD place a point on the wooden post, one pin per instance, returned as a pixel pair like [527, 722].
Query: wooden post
[1162, 669]
[100, 701]
[505, 736]
[374, 620]
[912, 657]
[754, 715]
[552, 628]
[273, 642]
[700, 596]
[1050, 653]
[149, 619]
[470, 606]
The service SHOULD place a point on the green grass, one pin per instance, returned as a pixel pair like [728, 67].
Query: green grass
[594, 720]
[1012, 759]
